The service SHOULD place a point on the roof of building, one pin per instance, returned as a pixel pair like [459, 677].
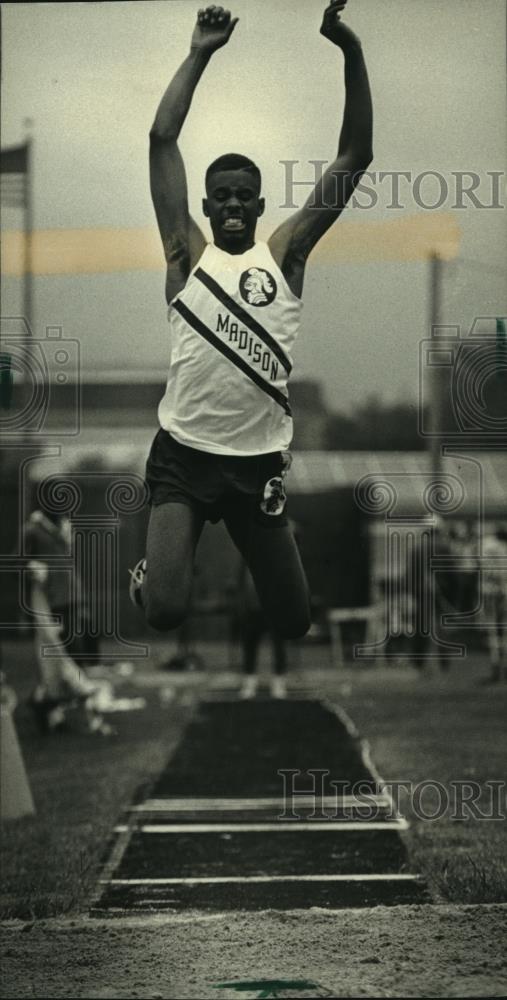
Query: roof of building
[384, 482]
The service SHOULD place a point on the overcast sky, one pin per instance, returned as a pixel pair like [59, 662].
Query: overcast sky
[90, 76]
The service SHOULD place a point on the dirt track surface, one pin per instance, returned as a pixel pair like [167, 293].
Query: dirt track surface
[414, 951]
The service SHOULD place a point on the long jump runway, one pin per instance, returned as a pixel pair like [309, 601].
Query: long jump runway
[224, 829]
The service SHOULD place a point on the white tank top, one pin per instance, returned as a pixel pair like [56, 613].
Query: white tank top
[232, 327]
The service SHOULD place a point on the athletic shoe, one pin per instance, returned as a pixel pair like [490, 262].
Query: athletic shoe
[137, 576]
[249, 687]
[278, 687]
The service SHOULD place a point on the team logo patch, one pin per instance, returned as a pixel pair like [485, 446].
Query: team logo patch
[257, 286]
[274, 497]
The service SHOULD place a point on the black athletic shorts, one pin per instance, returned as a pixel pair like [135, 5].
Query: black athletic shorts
[218, 486]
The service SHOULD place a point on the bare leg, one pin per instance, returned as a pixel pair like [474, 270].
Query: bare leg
[173, 533]
[273, 559]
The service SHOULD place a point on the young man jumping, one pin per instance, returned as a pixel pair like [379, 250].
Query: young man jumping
[234, 313]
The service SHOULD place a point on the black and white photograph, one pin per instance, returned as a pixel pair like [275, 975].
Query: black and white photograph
[253, 517]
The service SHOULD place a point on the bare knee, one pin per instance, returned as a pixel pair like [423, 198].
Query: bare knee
[164, 615]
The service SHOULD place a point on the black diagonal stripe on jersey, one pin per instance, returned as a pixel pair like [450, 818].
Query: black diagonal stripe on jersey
[244, 317]
[231, 355]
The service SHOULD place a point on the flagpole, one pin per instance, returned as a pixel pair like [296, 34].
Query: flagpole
[28, 242]
[436, 401]
[28, 298]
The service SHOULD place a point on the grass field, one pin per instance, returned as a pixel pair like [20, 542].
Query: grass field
[442, 730]
[80, 784]
[421, 729]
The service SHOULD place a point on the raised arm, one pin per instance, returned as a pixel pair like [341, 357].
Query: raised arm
[293, 241]
[182, 239]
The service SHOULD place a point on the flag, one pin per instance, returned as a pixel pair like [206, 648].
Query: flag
[14, 166]
[15, 192]
[14, 160]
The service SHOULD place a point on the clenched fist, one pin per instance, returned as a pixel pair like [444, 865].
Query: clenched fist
[213, 29]
[333, 27]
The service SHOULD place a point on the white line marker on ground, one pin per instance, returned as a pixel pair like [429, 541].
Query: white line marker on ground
[336, 826]
[197, 805]
[240, 879]
[365, 750]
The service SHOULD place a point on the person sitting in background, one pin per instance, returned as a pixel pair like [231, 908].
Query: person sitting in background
[56, 593]
[47, 536]
[64, 690]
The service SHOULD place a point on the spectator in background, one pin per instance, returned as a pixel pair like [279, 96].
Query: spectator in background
[494, 594]
[64, 691]
[432, 593]
[252, 627]
[56, 593]
[47, 535]
[464, 545]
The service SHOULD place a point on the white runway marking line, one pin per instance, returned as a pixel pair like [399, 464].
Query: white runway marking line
[282, 826]
[114, 860]
[365, 750]
[240, 879]
[303, 802]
